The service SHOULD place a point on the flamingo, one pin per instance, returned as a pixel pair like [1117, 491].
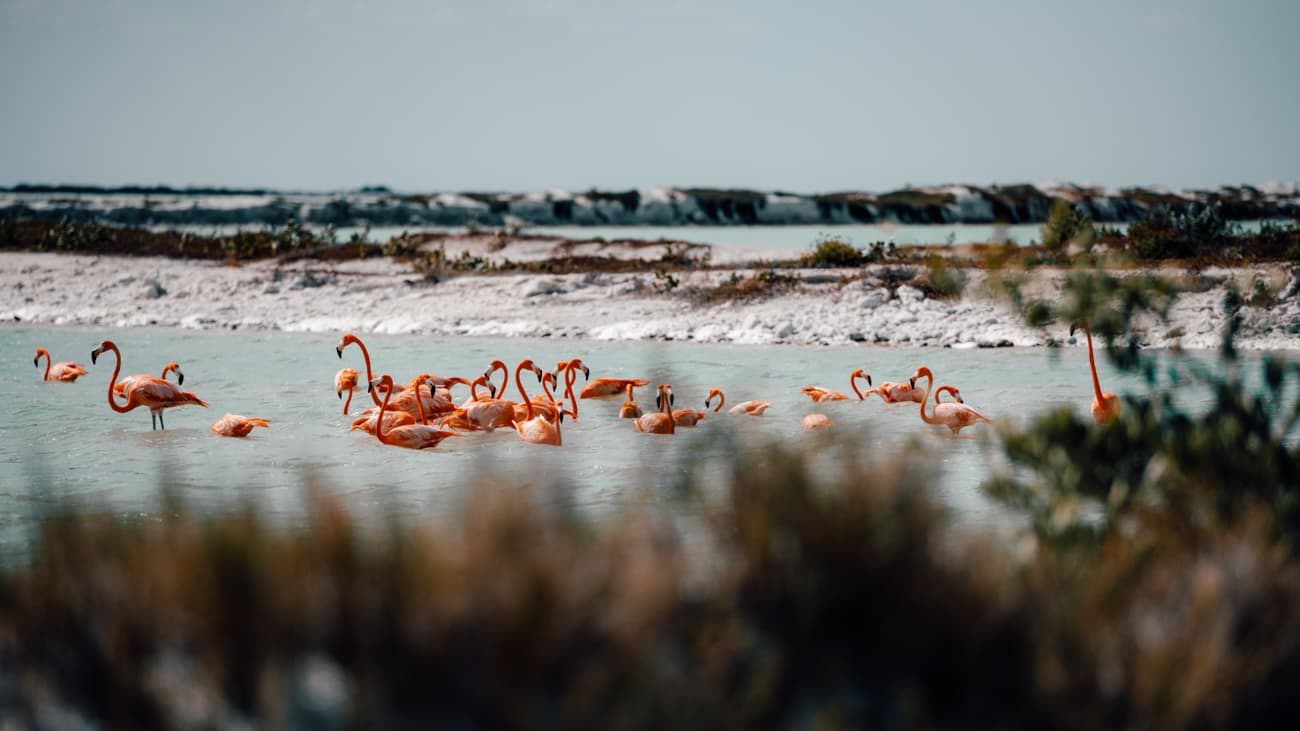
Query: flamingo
[853, 383]
[65, 371]
[894, 393]
[688, 417]
[817, 421]
[955, 416]
[370, 417]
[154, 395]
[821, 395]
[234, 425]
[570, 369]
[543, 405]
[350, 339]
[630, 409]
[345, 380]
[415, 436]
[535, 429]
[750, 408]
[422, 396]
[610, 387]
[1105, 406]
[661, 421]
[127, 382]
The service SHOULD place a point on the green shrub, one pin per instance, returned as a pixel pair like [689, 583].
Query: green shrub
[833, 252]
[1067, 224]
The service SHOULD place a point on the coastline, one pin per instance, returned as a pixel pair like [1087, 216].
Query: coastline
[864, 305]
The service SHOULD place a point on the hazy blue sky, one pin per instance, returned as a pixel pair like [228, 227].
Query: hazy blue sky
[512, 95]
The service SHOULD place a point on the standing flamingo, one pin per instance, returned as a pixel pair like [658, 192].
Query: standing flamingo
[534, 428]
[415, 436]
[345, 380]
[234, 425]
[817, 421]
[65, 372]
[132, 381]
[154, 395]
[630, 408]
[610, 387]
[661, 421]
[1105, 406]
[350, 339]
[956, 416]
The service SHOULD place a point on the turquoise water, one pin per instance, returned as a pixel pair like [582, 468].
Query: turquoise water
[61, 441]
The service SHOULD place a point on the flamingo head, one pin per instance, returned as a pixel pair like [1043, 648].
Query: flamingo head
[527, 365]
[665, 396]
[586, 372]
[1075, 326]
[343, 380]
[346, 340]
[104, 345]
[385, 381]
[860, 374]
[174, 366]
[713, 392]
[921, 372]
[39, 352]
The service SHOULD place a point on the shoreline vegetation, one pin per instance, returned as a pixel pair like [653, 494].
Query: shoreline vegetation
[1149, 578]
[502, 283]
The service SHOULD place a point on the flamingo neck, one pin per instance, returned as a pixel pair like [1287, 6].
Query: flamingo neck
[667, 408]
[383, 407]
[473, 388]
[528, 404]
[370, 376]
[48, 362]
[929, 384]
[419, 400]
[570, 378]
[1092, 365]
[117, 368]
[853, 384]
[347, 404]
[500, 391]
[721, 400]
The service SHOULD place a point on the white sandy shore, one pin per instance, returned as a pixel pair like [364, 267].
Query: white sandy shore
[380, 295]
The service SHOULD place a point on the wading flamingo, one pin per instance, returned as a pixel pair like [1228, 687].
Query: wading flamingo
[66, 372]
[750, 408]
[687, 417]
[630, 408]
[1105, 406]
[370, 417]
[544, 405]
[610, 387]
[421, 395]
[234, 425]
[416, 436]
[570, 369]
[534, 428]
[817, 421]
[345, 380]
[853, 383]
[154, 395]
[661, 421]
[893, 393]
[820, 395]
[956, 416]
[121, 386]
[350, 339]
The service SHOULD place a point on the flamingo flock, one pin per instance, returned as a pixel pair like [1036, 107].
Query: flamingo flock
[422, 413]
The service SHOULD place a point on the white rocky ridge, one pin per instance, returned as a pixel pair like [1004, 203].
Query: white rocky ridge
[829, 307]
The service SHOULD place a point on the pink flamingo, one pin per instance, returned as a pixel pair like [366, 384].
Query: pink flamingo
[415, 436]
[234, 425]
[1105, 406]
[821, 395]
[817, 421]
[571, 369]
[65, 372]
[345, 380]
[955, 416]
[132, 381]
[154, 395]
[350, 339]
[534, 428]
[630, 408]
[661, 421]
[749, 408]
[610, 387]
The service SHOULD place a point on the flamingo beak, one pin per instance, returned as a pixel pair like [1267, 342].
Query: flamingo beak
[37, 361]
[960, 400]
[94, 354]
[340, 394]
[180, 377]
[912, 381]
[538, 372]
[586, 374]
[339, 349]
[868, 379]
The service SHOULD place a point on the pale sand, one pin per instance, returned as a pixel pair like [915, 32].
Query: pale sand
[380, 295]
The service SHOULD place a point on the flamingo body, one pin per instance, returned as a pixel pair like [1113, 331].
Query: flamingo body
[610, 387]
[817, 421]
[234, 425]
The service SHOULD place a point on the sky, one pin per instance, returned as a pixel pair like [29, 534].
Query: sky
[809, 96]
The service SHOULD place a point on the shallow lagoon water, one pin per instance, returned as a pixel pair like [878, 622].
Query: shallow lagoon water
[61, 443]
